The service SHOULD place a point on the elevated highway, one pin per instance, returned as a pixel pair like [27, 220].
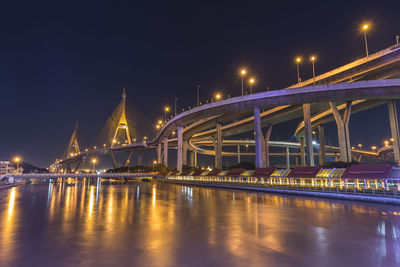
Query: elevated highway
[334, 91]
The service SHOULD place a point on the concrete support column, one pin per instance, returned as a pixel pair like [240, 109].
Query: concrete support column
[218, 147]
[140, 157]
[179, 148]
[258, 138]
[114, 161]
[238, 153]
[321, 137]
[394, 128]
[266, 143]
[128, 159]
[287, 158]
[159, 153]
[343, 130]
[302, 156]
[184, 152]
[166, 151]
[308, 134]
[191, 158]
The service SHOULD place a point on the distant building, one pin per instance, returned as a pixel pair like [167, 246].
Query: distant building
[6, 167]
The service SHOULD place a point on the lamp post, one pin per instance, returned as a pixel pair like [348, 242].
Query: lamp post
[218, 96]
[298, 60]
[17, 160]
[94, 161]
[176, 101]
[154, 162]
[242, 74]
[313, 58]
[373, 148]
[198, 95]
[166, 109]
[365, 28]
[251, 81]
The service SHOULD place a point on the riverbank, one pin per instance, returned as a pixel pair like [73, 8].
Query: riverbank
[6, 186]
[392, 200]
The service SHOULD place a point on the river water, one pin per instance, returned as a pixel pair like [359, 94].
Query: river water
[157, 224]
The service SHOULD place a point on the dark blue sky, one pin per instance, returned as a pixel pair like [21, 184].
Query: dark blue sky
[66, 61]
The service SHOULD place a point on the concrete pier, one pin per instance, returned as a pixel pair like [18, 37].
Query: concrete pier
[394, 128]
[166, 151]
[308, 135]
[179, 148]
[343, 130]
[258, 138]
[218, 148]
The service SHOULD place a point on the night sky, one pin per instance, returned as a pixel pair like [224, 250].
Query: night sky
[62, 62]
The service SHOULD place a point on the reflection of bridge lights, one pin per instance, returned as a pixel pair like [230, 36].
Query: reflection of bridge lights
[11, 202]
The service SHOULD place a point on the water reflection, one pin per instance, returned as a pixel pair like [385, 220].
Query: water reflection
[151, 224]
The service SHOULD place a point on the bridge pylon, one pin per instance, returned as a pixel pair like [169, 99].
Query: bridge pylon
[73, 145]
[121, 134]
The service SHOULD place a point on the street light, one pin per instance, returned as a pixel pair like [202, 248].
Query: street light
[298, 60]
[386, 142]
[313, 58]
[166, 109]
[251, 81]
[242, 74]
[360, 146]
[94, 161]
[365, 28]
[373, 148]
[17, 160]
[154, 162]
[218, 96]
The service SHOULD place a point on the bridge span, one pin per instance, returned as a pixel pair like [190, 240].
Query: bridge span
[332, 96]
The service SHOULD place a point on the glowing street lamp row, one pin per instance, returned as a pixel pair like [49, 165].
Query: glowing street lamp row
[243, 73]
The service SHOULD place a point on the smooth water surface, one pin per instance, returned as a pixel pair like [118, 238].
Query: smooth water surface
[156, 224]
